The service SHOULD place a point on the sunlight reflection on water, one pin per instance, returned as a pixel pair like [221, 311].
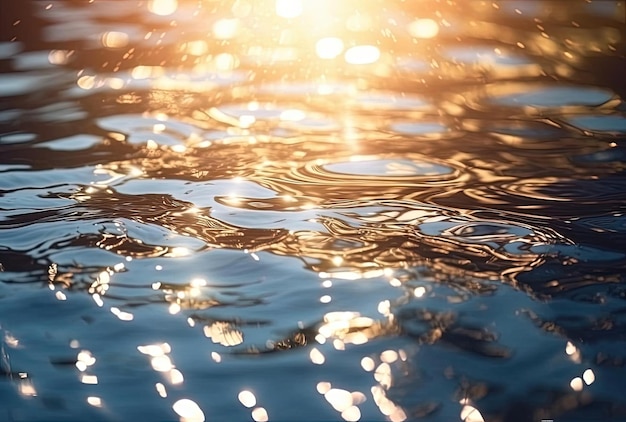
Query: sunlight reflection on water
[346, 210]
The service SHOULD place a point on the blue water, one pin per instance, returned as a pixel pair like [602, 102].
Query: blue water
[202, 217]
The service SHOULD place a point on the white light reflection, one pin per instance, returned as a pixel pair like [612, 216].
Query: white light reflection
[175, 377]
[354, 275]
[247, 398]
[223, 333]
[161, 389]
[11, 340]
[198, 282]
[188, 411]
[384, 307]
[86, 82]
[589, 377]
[259, 414]
[84, 360]
[94, 401]
[114, 39]
[338, 344]
[162, 363]
[329, 48]
[424, 28]
[101, 284]
[419, 291]
[26, 388]
[386, 406]
[163, 7]
[225, 28]
[356, 338]
[123, 316]
[576, 384]
[147, 72]
[155, 349]
[337, 260]
[362, 54]
[368, 364]
[351, 414]
[316, 356]
[89, 379]
[572, 351]
[394, 282]
[339, 399]
[59, 57]
[178, 251]
[292, 115]
[470, 414]
[323, 387]
[358, 397]
[383, 375]
[288, 8]
[389, 356]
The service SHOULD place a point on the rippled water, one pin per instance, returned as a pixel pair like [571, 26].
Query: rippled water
[235, 210]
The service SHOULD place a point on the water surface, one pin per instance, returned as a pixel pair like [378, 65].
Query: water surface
[285, 210]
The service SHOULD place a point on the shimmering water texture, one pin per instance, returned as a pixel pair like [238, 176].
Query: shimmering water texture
[325, 210]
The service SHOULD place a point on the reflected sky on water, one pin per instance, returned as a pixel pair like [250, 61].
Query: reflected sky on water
[329, 210]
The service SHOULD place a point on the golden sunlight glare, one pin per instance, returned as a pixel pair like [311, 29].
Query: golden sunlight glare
[288, 8]
[423, 28]
[329, 48]
[114, 39]
[362, 54]
[163, 7]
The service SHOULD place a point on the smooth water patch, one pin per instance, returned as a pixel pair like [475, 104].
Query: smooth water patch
[388, 168]
[600, 123]
[535, 95]
[525, 130]
[381, 100]
[23, 83]
[72, 143]
[292, 117]
[10, 49]
[49, 178]
[423, 128]
[486, 55]
[17, 137]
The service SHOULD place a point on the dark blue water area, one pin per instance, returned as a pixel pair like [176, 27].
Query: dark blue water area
[286, 210]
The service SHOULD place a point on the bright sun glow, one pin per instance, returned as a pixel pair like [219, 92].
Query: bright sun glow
[424, 28]
[329, 48]
[163, 7]
[362, 54]
[288, 8]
